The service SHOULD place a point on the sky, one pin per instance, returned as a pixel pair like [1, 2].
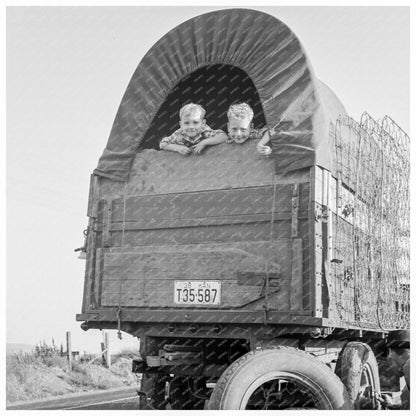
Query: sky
[67, 69]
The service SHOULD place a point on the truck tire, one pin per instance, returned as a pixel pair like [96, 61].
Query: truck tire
[182, 396]
[154, 385]
[358, 369]
[278, 378]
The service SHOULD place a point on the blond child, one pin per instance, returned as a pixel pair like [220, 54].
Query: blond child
[240, 128]
[194, 134]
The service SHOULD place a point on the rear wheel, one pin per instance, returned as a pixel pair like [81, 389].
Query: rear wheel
[277, 379]
[358, 370]
[153, 391]
[187, 393]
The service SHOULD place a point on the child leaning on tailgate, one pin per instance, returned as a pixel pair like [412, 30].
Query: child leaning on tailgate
[240, 128]
[194, 134]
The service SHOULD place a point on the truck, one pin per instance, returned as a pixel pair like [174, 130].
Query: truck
[251, 282]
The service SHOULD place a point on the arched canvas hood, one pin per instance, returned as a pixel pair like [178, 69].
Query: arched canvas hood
[267, 51]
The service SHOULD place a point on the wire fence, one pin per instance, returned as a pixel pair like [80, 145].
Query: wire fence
[371, 279]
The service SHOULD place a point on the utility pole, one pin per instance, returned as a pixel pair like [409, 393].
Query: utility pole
[69, 349]
[107, 349]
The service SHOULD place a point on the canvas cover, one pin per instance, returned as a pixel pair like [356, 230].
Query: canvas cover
[292, 99]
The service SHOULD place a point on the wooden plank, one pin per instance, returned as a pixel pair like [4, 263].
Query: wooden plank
[332, 200]
[193, 235]
[89, 271]
[307, 233]
[326, 228]
[93, 196]
[325, 185]
[256, 200]
[317, 285]
[321, 250]
[99, 268]
[325, 274]
[193, 264]
[199, 204]
[265, 248]
[317, 195]
[317, 245]
[296, 283]
[156, 223]
[101, 211]
[90, 300]
[182, 315]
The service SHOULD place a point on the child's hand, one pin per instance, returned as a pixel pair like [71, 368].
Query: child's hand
[264, 150]
[183, 150]
[198, 148]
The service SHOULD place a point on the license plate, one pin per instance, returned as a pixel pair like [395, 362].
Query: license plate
[197, 292]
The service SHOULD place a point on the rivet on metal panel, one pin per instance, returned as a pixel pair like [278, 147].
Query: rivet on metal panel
[194, 328]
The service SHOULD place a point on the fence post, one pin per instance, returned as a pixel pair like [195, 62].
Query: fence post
[103, 354]
[69, 349]
[107, 349]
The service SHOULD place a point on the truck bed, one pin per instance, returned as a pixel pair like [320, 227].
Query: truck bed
[267, 248]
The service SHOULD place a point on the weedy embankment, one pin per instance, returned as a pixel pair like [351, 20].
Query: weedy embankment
[32, 376]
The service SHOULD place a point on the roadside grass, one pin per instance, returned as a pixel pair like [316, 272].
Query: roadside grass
[32, 376]
[126, 353]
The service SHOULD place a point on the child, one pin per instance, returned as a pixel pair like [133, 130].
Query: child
[239, 127]
[194, 134]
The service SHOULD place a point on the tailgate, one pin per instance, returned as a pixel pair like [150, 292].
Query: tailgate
[194, 276]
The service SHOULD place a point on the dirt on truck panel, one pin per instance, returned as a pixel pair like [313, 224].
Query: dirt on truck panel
[252, 282]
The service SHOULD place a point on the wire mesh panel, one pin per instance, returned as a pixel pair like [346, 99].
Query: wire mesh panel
[395, 227]
[371, 264]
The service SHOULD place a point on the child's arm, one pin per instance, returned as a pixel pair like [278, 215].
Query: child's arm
[183, 150]
[261, 145]
[171, 143]
[220, 137]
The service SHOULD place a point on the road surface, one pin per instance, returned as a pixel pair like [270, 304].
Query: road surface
[119, 399]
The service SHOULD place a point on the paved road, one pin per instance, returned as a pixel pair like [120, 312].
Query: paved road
[120, 399]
